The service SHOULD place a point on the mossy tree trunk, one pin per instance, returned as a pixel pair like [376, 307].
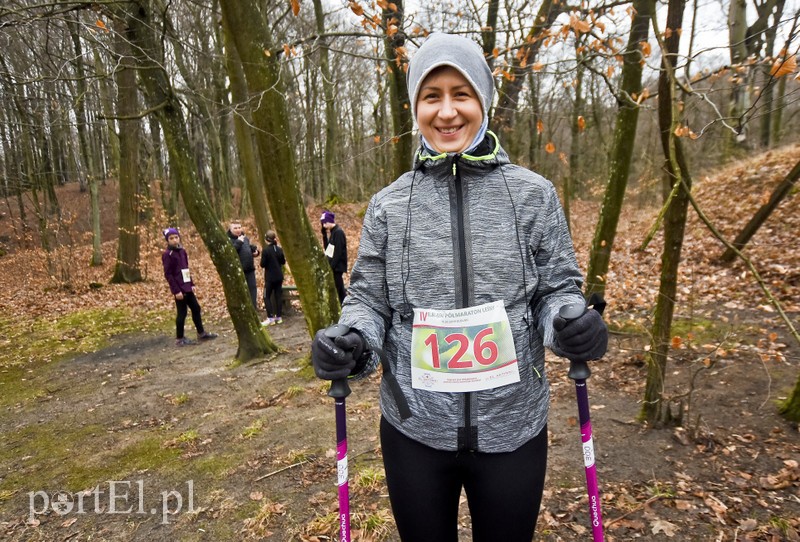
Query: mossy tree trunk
[676, 168]
[399, 101]
[253, 339]
[621, 150]
[790, 408]
[127, 268]
[310, 268]
[245, 142]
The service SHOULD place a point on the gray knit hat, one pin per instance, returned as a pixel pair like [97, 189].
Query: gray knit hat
[459, 52]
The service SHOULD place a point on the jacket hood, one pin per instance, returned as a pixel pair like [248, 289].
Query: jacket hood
[458, 52]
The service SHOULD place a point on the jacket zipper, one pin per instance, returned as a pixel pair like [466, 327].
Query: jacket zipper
[462, 249]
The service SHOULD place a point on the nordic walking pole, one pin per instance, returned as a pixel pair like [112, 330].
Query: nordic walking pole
[579, 372]
[339, 390]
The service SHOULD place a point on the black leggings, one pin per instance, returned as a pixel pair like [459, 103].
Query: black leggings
[504, 490]
[273, 288]
[189, 301]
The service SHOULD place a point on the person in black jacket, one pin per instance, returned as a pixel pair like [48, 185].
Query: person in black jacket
[273, 260]
[335, 250]
[247, 253]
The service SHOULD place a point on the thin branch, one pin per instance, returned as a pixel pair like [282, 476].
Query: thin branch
[137, 116]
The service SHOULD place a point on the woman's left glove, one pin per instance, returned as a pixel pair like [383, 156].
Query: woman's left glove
[582, 339]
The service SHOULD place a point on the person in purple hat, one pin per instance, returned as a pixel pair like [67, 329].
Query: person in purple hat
[336, 250]
[176, 271]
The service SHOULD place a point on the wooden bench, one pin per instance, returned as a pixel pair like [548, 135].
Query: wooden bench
[290, 294]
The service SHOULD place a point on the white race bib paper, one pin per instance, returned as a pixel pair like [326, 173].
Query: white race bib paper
[463, 350]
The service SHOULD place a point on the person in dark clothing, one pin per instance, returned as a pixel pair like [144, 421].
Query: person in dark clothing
[247, 254]
[334, 242]
[176, 271]
[273, 260]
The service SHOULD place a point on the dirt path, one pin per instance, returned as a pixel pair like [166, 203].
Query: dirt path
[248, 450]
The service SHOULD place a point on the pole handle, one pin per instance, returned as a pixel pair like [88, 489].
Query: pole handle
[339, 388]
[579, 370]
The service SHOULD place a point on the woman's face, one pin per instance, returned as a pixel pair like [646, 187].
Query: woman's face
[449, 111]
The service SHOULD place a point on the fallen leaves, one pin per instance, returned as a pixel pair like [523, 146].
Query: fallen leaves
[662, 526]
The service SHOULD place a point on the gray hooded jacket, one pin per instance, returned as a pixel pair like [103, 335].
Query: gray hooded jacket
[461, 230]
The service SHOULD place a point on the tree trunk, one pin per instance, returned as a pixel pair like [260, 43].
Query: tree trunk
[763, 213]
[127, 268]
[505, 112]
[253, 340]
[245, 144]
[489, 31]
[767, 83]
[400, 103]
[80, 104]
[776, 125]
[304, 254]
[219, 187]
[329, 92]
[621, 151]
[790, 408]
[108, 111]
[88, 163]
[571, 180]
[676, 168]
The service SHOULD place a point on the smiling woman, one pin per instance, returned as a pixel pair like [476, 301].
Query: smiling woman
[463, 263]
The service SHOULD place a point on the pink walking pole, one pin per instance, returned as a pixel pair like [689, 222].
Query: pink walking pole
[339, 391]
[579, 372]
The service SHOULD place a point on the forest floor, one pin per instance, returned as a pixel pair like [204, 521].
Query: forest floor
[106, 428]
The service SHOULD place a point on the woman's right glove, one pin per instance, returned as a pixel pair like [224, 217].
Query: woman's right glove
[335, 355]
[582, 339]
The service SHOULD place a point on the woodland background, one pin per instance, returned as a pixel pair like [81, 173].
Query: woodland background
[669, 128]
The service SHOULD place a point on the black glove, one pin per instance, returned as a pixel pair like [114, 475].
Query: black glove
[582, 339]
[335, 358]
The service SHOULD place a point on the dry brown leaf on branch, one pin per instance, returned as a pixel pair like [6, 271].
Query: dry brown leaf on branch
[356, 8]
[295, 7]
[783, 66]
[578, 25]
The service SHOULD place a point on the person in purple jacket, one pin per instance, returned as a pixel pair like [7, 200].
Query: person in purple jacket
[176, 271]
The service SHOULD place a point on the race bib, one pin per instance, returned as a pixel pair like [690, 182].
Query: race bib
[186, 276]
[329, 250]
[463, 350]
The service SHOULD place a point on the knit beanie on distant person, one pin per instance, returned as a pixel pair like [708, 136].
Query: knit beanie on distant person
[460, 53]
[171, 231]
[327, 216]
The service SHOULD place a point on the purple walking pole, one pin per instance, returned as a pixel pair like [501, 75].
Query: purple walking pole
[339, 390]
[579, 372]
